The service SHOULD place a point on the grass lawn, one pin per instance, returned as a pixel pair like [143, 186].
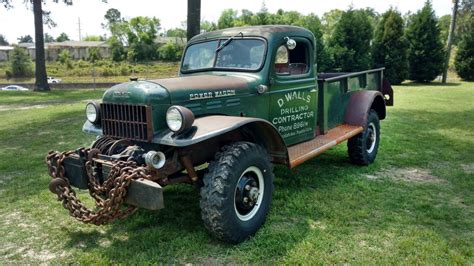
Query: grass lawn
[414, 205]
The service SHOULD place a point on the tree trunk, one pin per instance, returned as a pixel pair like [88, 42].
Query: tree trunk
[41, 83]
[194, 18]
[450, 39]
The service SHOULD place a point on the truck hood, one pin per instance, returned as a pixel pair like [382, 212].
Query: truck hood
[199, 87]
[137, 92]
[179, 90]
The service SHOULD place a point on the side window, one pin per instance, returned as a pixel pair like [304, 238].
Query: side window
[282, 61]
[292, 62]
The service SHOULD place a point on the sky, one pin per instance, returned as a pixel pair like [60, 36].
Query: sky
[19, 20]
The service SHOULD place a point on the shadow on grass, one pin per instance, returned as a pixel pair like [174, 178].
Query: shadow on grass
[429, 84]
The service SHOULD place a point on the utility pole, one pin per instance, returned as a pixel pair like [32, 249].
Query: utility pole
[450, 39]
[79, 28]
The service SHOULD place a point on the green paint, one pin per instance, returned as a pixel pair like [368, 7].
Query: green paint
[296, 103]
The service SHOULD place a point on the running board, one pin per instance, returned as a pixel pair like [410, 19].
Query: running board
[304, 151]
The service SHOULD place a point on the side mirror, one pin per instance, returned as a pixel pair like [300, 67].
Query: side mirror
[290, 43]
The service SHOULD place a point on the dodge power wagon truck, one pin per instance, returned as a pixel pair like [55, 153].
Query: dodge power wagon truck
[246, 98]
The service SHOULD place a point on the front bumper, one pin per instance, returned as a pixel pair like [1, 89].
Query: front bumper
[142, 193]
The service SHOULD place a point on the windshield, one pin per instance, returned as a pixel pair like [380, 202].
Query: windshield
[242, 54]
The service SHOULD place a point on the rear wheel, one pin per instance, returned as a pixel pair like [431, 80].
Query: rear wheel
[237, 192]
[363, 148]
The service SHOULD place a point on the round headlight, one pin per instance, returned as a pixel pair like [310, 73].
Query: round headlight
[92, 112]
[179, 118]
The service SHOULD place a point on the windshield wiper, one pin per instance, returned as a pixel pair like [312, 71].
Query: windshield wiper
[228, 41]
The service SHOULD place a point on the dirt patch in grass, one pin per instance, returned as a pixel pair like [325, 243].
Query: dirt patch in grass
[468, 168]
[407, 174]
[12, 249]
[40, 104]
[19, 107]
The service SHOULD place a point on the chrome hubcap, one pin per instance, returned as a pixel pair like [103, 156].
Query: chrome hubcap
[248, 193]
[371, 137]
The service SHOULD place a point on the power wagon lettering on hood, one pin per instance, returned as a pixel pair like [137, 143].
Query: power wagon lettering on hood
[211, 94]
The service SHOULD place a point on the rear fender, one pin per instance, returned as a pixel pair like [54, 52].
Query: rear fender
[360, 103]
[214, 127]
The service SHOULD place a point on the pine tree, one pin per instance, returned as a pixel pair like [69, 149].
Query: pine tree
[350, 42]
[464, 62]
[390, 47]
[426, 50]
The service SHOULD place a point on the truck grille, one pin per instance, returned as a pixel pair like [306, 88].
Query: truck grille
[127, 121]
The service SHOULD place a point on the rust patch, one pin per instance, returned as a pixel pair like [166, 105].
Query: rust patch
[202, 82]
[302, 152]
[359, 106]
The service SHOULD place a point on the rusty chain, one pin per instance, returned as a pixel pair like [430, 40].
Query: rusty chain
[109, 196]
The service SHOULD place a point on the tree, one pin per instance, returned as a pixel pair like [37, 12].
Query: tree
[350, 41]
[3, 40]
[465, 18]
[227, 19]
[176, 32]
[25, 39]
[194, 18]
[48, 38]
[426, 51]
[329, 22]
[464, 62]
[94, 38]
[313, 23]
[246, 18]
[390, 47]
[141, 35]
[41, 81]
[452, 28]
[444, 23]
[117, 50]
[62, 37]
[207, 26]
[112, 16]
[263, 17]
[20, 63]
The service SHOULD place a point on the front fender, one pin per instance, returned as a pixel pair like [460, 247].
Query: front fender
[208, 127]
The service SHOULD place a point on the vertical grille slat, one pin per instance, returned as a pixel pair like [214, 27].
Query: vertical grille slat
[127, 121]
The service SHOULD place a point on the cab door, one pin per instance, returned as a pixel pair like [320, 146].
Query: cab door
[293, 91]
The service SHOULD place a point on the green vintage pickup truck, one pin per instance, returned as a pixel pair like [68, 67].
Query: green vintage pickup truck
[246, 99]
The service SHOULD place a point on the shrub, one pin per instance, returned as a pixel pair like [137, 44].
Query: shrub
[20, 63]
[170, 52]
[94, 55]
[464, 62]
[64, 58]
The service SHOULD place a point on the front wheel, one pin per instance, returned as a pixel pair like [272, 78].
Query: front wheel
[237, 192]
[363, 147]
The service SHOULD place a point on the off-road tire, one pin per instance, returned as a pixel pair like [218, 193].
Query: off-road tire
[359, 147]
[219, 209]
